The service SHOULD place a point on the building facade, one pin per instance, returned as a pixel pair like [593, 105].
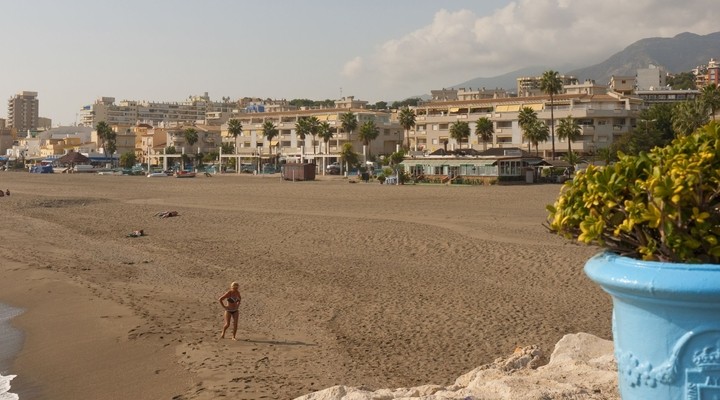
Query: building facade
[289, 146]
[602, 119]
[23, 111]
[197, 109]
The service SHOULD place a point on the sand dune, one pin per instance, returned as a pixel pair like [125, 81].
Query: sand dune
[363, 285]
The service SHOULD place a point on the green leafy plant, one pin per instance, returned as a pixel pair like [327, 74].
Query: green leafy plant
[662, 205]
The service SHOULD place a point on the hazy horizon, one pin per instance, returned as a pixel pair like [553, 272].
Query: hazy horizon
[74, 52]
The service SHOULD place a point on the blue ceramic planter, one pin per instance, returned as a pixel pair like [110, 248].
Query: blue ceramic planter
[666, 326]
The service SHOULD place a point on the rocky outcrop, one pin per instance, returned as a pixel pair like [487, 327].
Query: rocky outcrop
[582, 366]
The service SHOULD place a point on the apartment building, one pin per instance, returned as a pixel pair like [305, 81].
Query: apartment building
[290, 147]
[650, 78]
[707, 74]
[131, 112]
[23, 109]
[602, 118]
[530, 85]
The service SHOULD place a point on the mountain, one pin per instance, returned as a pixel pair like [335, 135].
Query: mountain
[681, 53]
[506, 81]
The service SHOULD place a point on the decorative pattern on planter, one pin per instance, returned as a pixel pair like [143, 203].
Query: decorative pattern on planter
[697, 354]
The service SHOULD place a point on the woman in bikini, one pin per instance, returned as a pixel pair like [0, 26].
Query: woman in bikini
[231, 309]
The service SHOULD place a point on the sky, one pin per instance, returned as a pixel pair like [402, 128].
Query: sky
[73, 52]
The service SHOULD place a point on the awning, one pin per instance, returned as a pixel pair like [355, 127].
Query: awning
[508, 108]
[534, 106]
[454, 109]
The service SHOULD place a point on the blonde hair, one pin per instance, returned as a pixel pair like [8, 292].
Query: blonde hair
[233, 284]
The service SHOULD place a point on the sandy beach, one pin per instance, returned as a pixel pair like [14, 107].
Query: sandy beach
[355, 284]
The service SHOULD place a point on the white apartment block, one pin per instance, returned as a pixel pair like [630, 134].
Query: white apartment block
[602, 118]
[196, 109]
[288, 145]
[530, 85]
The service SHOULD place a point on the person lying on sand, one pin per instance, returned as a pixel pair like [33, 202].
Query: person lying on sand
[136, 233]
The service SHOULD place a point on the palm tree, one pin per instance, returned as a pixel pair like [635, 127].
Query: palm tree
[302, 129]
[460, 131]
[191, 136]
[314, 128]
[270, 131]
[484, 130]
[569, 130]
[348, 123]
[107, 138]
[407, 121]
[551, 84]
[348, 156]
[688, 116]
[536, 132]
[235, 129]
[711, 97]
[527, 117]
[325, 132]
[368, 132]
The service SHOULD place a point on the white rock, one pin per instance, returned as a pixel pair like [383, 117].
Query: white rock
[581, 367]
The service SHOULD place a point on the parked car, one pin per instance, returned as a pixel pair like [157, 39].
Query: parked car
[270, 169]
[247, 168]
[333, 169]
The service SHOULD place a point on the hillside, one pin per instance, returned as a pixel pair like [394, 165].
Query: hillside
[681, 53]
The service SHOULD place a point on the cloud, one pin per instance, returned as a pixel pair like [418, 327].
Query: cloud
[353, 67]
[461, 45]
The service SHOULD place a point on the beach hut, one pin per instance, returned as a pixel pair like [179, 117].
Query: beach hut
[72, 158]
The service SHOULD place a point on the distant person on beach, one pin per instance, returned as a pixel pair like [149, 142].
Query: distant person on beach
[232, 309]
[136, 233]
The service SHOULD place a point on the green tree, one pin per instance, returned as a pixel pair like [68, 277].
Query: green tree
[314, 129]
[689, 116]
[682, 81]
[191, 136]
[348, 156]
[107, 138]
[535, 133]
[406, 118]
[227, 148]
[607, 155]
[527, 117]
[460, 131]
[569, 130]
[348, 122]
[711, 97]
[571, 158]
[270, 131]
[484, 130]
[326, 133]
[410, 102]
[128, 159]
[661, 117]
[235, 129]
[368, 132]
[551, 85]
[302, 129]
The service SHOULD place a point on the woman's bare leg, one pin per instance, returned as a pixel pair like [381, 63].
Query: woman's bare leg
[227, 324]
[235, 322]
